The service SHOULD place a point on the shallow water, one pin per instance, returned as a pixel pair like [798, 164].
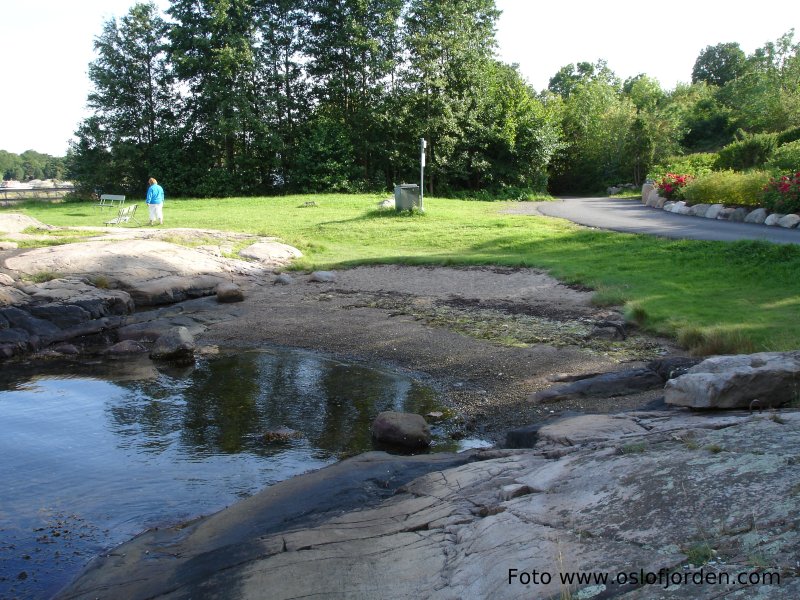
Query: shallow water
[94, 454]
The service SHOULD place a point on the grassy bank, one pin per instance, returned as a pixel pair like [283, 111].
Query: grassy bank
[713, 296]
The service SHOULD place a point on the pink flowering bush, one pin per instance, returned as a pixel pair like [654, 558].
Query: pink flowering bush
[671, 185]
[782, 195]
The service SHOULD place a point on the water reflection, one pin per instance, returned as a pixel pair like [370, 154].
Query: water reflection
[97, 452]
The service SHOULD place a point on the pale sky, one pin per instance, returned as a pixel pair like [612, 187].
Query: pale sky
[47, 44]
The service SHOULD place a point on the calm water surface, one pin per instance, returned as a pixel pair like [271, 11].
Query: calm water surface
[91, 455]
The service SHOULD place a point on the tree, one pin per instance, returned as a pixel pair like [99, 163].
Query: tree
[450, 44]
[717, 65]
[132, 98]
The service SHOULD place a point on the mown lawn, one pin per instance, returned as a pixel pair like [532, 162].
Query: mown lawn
[712, 296]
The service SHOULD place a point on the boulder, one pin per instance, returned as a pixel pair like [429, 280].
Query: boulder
[386, 204]
[61, 315]
[756, 216]
[282, 435]
[655, 200]
[323, 276]
[771, 378]
[673, 366]
[229, 292]
[6, 279]
[773, 219]
[283, 279]
[617, 383]
[126, 347]
[789, 221]
[646, 189]
[176, 345]
[699, 210]
[738, 215]
[406, 430]
[5, 245]
[271, 253]
[713, 211]
[725, 214]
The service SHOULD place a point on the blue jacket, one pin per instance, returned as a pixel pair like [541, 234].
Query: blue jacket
[155, 194]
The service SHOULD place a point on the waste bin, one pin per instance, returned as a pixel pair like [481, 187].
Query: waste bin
[406, 196]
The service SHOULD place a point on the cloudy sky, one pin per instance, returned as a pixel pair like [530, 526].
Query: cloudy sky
[47, 45]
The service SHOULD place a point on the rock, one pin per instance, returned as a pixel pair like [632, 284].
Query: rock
[573, 431]
[323, 276]
[699, 210]
[61, 315]
[738, 215]
[176, 345]
[6, 279]
[679, 208]
[229, 292]
[6, 245]
[668, 205]
[271, 253]
[613, 190]
[617, 383]
[283, 279]
[173, 288]
[386, 204]
[789, 221]
[713, 211]
[773, 219]
[17, 223]
[654, 200]
[384, 527]
[673, 366]
[20, 319]
[646, 189]
[66, 349]
[725, 214]
[401, 429]
[126, 347]
[282, 435]
[736, 381]
[11, 296]
[757, 216]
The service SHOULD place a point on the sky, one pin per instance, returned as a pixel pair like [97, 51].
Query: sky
[47, 46]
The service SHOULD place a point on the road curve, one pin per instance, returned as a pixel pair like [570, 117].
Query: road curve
[631, 216]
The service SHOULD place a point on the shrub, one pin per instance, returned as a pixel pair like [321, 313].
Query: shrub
[782, 195]
[753, 150]
[786, 158]
[671, 185]
[696, 164]
[727, 187]
[789, 135]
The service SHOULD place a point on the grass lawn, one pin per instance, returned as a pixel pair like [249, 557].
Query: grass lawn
[715, 297]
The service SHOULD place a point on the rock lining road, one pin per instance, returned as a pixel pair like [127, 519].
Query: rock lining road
[631, 216]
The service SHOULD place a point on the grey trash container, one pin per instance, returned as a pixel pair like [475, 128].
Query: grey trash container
[406, 196]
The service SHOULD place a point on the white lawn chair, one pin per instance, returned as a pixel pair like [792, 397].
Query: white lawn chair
[125, 215]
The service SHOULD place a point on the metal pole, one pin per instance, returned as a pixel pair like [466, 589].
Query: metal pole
[421, 173]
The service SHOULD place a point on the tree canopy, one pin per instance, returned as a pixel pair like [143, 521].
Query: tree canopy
[225, 97]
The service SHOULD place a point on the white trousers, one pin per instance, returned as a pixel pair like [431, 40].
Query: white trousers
[156, 212]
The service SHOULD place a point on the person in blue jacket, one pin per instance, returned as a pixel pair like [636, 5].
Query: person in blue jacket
[155, 201]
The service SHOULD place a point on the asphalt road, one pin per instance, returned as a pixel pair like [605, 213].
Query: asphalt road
[631, 216]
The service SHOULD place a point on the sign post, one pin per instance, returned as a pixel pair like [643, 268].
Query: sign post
[422, 145]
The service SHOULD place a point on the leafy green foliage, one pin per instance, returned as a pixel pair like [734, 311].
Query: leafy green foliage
[30, 165]
[696, 164]
[727, 187]
[717, 65]
[752, 150]
[786, 158]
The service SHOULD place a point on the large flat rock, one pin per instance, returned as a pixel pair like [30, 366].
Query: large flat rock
[152, 271]
[636, 504]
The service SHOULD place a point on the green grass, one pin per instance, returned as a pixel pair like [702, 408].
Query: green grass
[713, 294]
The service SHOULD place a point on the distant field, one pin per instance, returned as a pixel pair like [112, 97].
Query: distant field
[713, 296]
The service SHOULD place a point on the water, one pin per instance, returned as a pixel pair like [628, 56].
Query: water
[91, 455]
